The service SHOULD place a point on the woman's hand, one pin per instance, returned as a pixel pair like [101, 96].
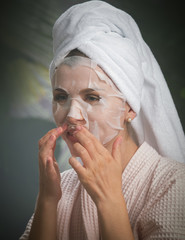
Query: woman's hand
[49, 173]
[44, 226]
[101, 176]
[101, 173]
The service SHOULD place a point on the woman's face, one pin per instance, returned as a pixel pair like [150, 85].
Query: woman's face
[81, 98]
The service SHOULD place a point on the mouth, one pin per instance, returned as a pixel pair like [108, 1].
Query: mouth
[70, 133]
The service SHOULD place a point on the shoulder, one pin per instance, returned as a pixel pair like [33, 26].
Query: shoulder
[168, 186]
[168, 174]
[164, 210]
[153, 169]
[163, 169]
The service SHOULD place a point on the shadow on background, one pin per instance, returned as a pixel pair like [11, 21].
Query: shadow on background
[26, 44]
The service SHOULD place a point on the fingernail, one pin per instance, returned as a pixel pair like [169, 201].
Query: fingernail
[58, 129]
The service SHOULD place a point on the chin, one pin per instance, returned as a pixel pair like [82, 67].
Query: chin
[70, 142]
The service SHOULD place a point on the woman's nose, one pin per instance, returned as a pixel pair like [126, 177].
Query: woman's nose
[75, 112]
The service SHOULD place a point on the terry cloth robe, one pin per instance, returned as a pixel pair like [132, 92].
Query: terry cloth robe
[154, 191]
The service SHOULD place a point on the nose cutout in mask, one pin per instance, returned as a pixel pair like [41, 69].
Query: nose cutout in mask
[78, 112]
[75, 110]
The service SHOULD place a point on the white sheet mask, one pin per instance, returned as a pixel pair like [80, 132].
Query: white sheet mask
[83, 92]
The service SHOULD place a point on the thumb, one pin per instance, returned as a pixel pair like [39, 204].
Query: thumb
[116, 148]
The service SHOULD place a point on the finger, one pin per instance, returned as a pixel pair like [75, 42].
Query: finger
[50, 170]
[89, 141]
[46, 137]
[49, 144]
[116, 149]
[83, 154]
[57, 170]
[61, 130]
[47, 151]
[50, 141]
[56, 131]
[79, 169]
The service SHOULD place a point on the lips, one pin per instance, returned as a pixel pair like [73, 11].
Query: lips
[71, 137]
[70, 133]
[71, 129]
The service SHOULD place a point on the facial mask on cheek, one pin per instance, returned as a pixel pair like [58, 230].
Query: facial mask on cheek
[105, 123]
[94, 129]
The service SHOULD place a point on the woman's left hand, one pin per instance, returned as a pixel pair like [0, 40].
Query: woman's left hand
[101, 173]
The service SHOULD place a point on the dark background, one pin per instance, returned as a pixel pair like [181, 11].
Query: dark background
[26, 44]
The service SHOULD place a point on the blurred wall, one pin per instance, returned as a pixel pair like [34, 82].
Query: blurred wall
[26, 51]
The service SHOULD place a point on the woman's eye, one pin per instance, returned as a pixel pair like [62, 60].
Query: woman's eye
[92, 98]
[60, 98]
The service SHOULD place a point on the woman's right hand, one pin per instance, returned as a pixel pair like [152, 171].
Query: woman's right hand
[44, 225]
[49, 174]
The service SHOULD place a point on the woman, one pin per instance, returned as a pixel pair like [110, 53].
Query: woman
[109, 99]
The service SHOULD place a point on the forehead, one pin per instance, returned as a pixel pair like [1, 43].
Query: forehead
[79, 77]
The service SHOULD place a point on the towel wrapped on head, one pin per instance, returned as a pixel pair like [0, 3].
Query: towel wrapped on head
[111, 38]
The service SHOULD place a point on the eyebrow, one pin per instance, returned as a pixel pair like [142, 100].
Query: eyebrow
[60, 90]
[88, 90]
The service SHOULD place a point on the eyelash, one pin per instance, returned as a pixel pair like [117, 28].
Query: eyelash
[88, 98]
[92, 98]
[60, 98]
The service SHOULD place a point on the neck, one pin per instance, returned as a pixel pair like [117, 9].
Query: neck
[128, 149]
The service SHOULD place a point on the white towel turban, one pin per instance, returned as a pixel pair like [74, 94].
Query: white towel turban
[111, 37]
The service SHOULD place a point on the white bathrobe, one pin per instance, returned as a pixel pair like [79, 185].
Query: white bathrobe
[154, 191]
